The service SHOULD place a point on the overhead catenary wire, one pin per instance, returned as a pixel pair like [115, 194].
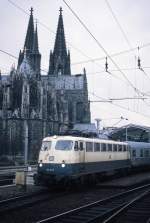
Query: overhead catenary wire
[117, 105]
[118, 23]
[112, 55]
[125, 36]
[119, 99]
[139, 93]
[11, 55]
[102, 48]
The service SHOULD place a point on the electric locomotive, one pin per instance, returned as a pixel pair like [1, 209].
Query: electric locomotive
[66, 158]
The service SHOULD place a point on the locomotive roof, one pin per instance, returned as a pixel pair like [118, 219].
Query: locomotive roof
[82, 138]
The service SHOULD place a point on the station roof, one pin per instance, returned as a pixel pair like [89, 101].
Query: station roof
[144, 128]
[131, 132]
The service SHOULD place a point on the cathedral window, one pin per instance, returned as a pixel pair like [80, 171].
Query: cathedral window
[25, 89]
[59, 72]
[79, 112]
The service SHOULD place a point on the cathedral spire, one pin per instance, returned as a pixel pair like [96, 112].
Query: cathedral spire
[59, 58]
[28, 44]
[60, 43]
[35, 56]
[35, 41]
[30, 33]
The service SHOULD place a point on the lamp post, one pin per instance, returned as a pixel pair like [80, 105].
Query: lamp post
[98, 120]
[126, 134]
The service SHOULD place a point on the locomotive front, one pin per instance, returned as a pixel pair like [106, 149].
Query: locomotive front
[55, 158]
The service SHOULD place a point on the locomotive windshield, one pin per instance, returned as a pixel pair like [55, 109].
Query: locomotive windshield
[64, 145]
[46, 146]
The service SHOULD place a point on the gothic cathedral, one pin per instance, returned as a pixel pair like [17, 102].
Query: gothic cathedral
[33, 105]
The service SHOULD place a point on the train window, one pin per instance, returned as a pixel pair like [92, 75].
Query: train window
[76, 148]
[141, 153]
[46, 145]
[133, 153]
[63, 145]
[124, 148]
[89, 146]
[96, 147]
[103, 147]
[109, 147]
[120, 148]
[81, 146]
[146, 153]
[115, 146]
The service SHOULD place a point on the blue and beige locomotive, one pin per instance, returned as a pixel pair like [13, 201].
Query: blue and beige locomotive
[65, 158]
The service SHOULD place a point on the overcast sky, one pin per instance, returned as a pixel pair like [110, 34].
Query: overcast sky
[134, 19]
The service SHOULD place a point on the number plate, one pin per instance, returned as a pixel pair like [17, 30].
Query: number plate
[51, 158]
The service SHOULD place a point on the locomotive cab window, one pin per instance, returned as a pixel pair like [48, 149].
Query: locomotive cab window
[63, 145]
[76, 148]
[46, 145]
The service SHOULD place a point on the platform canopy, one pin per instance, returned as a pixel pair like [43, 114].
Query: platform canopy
[131, 132]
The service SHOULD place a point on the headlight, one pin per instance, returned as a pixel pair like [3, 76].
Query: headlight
[63, 164]
[40, 165]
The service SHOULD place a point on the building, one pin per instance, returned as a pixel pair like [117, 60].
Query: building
[33, 105]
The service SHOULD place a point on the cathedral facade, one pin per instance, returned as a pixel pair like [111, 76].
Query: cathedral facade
[33, 105]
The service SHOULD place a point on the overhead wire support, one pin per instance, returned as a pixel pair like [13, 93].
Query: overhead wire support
[128, 42]
[140, 67]
[106, 65]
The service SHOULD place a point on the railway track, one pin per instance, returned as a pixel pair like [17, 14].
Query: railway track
[15, 203]
[6, 181]
[20, 202]
[137, 210]
[102, 210]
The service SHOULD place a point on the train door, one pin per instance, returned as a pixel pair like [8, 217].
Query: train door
[81, 145]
